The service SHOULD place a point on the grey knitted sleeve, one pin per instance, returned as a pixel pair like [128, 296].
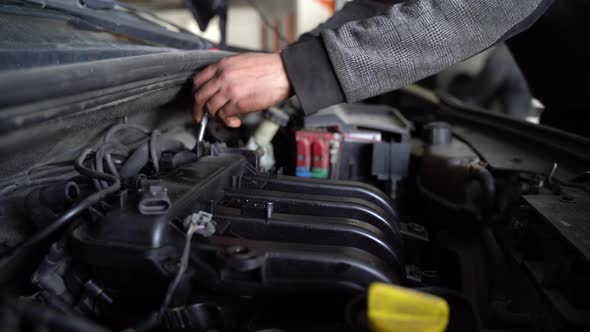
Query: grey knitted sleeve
[400, 42]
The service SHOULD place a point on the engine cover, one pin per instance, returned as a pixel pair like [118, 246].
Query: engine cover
[273, 234]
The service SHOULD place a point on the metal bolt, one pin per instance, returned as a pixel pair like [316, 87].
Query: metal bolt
[416, 228]
[237, 250]
[567, 199]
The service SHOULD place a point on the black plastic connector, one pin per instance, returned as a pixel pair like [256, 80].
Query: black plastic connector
[153, 198]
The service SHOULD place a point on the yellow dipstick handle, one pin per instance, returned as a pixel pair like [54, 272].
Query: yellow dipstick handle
[396, 309]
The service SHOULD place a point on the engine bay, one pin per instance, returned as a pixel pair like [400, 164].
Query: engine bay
[287, 223]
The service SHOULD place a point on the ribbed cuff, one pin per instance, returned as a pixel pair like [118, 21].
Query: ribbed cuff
[311, 75]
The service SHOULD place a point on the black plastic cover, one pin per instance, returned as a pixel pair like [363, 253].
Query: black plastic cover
[273, 234]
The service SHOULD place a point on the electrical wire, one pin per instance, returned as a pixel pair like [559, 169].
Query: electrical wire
[153, 320]
[266, 21]
[181, 270]
[67, 217]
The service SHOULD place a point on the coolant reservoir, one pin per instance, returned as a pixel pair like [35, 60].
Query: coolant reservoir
[274, 118]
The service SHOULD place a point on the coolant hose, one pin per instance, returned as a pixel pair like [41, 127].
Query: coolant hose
[483, 176]
[142, 155]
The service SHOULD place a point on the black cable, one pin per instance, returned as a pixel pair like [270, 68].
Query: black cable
[136, 161]
[481, 174]
[266, 21]
[95, 181]
[106, 149]
[70, 214]
[498, 282]
[181, 270]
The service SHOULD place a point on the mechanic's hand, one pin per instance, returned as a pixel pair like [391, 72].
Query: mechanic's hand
[240, 84]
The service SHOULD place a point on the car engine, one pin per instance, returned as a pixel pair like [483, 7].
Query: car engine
[124, 219]
[229, 236]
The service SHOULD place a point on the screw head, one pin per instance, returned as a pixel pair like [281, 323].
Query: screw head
[416, 228]
[567, 199]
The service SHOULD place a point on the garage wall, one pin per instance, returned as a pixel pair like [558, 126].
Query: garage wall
[310, 13]
[242, 31]
[245, 29]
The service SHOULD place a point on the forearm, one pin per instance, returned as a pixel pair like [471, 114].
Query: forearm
[407, 41]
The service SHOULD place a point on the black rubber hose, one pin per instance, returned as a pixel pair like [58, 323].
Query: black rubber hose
[141, 156]
[136, 161]
[109, 136]
[111, 165]
[70, 214]
[105, 150]
[131, 147]
[481, 174]
[498, 262]
[41, 203]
